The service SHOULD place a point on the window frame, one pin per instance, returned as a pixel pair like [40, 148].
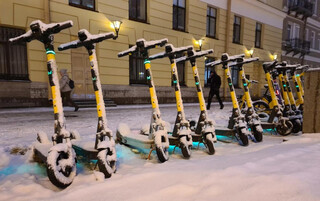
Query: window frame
[235, 82]
[177, 15]
[82, 6]
[256, 37]
[234, 29]
[207, 70]
[209, 18]
[7, 67]
[313, 40]
[135, 18]
[134, 81]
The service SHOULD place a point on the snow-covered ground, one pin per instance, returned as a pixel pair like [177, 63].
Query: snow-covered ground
[279, 168]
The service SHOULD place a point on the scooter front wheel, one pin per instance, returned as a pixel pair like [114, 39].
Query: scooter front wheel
[185, 147]
[107, 162]
[210, 144]
[285, 128]
[162, 144]
[242, 137]
[257, 133]
[61, 165]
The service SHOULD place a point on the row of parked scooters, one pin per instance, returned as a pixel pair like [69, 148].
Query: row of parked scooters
[60, 154]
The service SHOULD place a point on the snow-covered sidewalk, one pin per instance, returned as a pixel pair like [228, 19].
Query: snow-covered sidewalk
[275, 169]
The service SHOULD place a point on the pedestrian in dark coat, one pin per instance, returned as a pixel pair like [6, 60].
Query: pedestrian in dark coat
[66, 90]
[214, 82]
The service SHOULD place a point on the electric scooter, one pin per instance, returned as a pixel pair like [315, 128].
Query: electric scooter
[276, 119]
[181, 134]
[59, 156]
[157, 138]
[103, 149]
[237, 123]
[252, 119]
[295, 76]
[203, 130]
[288, 111]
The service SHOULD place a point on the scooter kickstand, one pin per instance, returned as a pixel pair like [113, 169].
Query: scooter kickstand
[149, 155]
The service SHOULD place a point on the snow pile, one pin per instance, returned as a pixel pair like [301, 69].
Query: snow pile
[4, 158]
[272, 170]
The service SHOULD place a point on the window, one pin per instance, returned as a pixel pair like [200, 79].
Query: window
[211, 22]
[136, 69]
[208, 70]
[236, 29]
[138, 10]
[13, 58]
[289, 31]
[307, 35]
[296, 31]
[318, 41]
[235, 76]
[257, 42]
[86, 4]
[313, 39]
[179, 15]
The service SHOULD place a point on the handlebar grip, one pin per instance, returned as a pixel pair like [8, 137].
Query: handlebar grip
[158, 56]
[72, 44]
[65, 25]
[26, 37]
[181, 59]
[127, 52]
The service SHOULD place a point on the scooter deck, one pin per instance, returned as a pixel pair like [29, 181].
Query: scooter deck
[225, 131]
[267, 125]
[85, 149]
[135, 139]
[41, 151]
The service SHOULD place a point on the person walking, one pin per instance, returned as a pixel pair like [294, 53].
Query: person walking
[66, 90]
[214, 82]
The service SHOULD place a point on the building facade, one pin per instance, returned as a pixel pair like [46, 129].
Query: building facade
[232, 26]
[301, 32]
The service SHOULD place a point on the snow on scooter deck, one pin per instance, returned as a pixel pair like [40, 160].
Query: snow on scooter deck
[85, 149]
[41, 151]
[135, 139]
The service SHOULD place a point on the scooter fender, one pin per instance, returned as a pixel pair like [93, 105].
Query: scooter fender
[210, 130]
[106, 144]
[158, 138]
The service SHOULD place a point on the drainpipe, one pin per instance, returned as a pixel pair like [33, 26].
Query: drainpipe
[227, 41]
[47, 20]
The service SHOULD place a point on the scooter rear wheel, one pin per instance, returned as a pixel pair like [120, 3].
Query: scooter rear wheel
[210, 144]
[261, 106]
[185, 148]
[297, 126]
[286, 129]
[106, 166]
[61, 166]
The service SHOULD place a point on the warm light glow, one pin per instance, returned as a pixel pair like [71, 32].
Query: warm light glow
[198, 43]
[275, 57]
[249, 52]
[116, 25]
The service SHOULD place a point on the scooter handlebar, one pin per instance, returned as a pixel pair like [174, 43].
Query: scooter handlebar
[225, 58]
[85, 38]
[170, 50]
[193, 55]
[38, 29]
[143, 44]
[241, 61]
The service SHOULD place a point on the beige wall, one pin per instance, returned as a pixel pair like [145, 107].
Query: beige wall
[115, 71]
